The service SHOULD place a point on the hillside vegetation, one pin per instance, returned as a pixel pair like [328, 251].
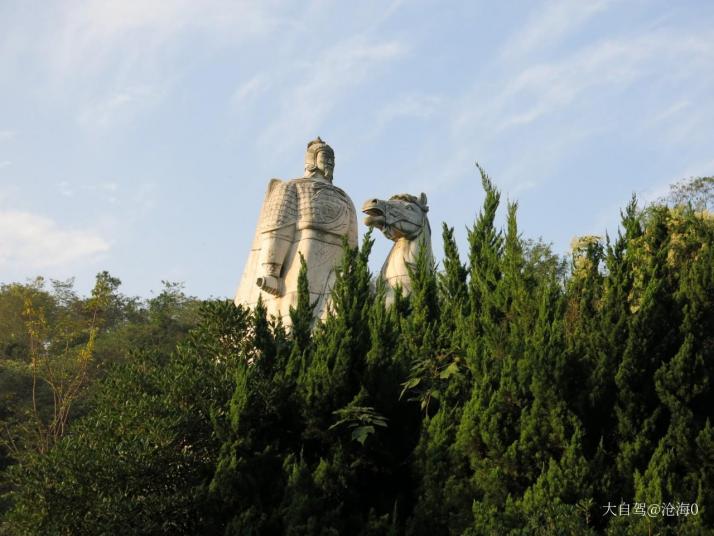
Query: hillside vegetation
[510, 393]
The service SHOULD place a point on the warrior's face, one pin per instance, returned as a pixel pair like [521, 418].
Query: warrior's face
[322, 163]
[325, 164]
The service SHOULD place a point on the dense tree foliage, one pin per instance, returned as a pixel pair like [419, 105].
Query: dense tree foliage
[509, 393]
[56, 345]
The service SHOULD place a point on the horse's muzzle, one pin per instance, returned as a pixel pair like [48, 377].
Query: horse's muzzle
[375, 209]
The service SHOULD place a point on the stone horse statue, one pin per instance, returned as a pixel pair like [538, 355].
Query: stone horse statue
[402, 219]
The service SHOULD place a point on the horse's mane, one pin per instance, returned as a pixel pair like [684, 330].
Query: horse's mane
[409, 198]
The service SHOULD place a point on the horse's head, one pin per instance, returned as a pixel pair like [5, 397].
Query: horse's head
[401, 216]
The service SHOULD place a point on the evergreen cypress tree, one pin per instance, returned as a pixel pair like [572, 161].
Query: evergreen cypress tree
[444, 495]
[680, 467]
[347, 461]
[263, 426]
[341, 343]
[441, 380]
[489, 421]
[420, 335]
[652, 339]
[453, 291]
[485, 244]
[598, 342]
[301, 318]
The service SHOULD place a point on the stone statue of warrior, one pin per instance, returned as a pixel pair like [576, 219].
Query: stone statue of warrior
[308, 216]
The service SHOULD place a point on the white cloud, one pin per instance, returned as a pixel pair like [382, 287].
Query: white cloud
[685, 123]
[699, 169]
[330, 77]
[655, 193]
[559, 96]
[8, 194]
[521, 96]
[105, 190]
[118, 107]
[249, 91]
[145, 196]
[7, 135]
[113, 59]
[613, 65]
[543, 89]
[672, 112]
[91, 32]
[110, 189]
[29, 241]
[4, 163]
[408, 106]
[65, 189]
[416, 106]
[551, 23]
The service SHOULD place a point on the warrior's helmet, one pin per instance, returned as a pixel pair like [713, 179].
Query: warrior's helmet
[314, 148]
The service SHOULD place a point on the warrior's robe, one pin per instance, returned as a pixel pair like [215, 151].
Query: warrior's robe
[305, 216]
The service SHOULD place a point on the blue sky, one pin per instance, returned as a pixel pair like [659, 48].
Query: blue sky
[138, 136]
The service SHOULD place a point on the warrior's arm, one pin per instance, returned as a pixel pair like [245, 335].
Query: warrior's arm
[352, 232]
[277, 234]
[274, 249]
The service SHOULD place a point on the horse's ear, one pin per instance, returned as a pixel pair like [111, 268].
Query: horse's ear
[422, 201]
